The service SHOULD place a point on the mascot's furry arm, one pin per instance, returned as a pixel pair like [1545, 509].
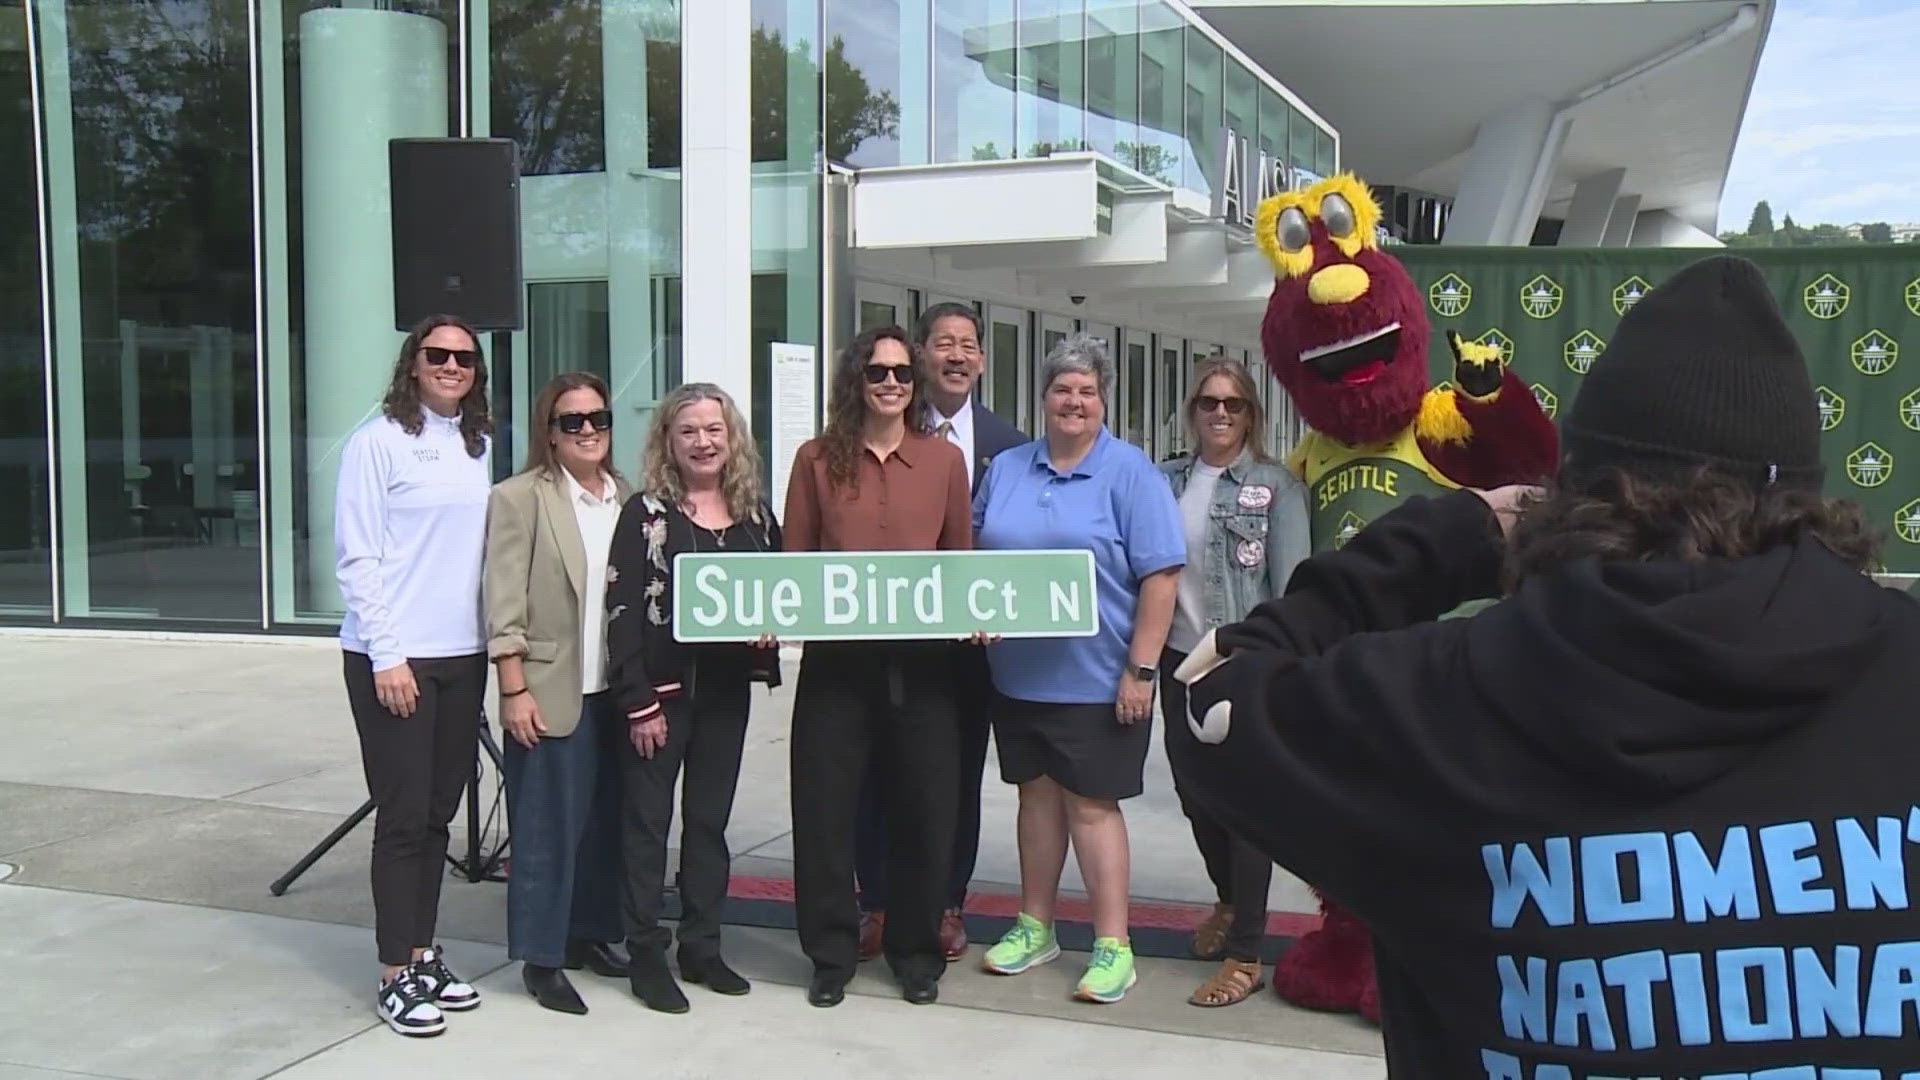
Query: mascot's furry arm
[1486, 430]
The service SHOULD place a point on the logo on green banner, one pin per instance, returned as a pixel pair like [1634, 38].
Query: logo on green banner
[1628, 293]
[1870, 466]
[1833, 408]
[1582, 349]
[1541, 297]
[1906, 522]
[1875, 353]
[1549, 402]
[1913, 296]
[1350, 526]
[1910, 410]
[1451, 296]
[1499, 341]
[1827, 297]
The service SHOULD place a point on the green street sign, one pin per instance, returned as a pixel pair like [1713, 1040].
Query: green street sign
[883, 595]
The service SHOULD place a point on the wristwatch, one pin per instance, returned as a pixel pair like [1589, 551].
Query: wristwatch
[1144, 672]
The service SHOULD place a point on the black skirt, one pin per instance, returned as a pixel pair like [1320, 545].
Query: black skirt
[1083, 748]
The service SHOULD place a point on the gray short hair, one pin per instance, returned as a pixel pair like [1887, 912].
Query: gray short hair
[1079, 354]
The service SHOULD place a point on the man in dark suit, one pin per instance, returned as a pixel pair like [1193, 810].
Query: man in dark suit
[950, 337]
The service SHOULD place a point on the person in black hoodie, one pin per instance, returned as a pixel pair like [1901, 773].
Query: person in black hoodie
[1653, 813]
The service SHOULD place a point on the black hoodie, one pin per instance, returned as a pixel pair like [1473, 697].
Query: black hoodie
[1635, 820]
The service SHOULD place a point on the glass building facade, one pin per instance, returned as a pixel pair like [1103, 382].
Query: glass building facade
[195, 255]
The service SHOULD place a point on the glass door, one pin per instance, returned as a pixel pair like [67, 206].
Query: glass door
[1136, 385]
[880, 305]
[1053, 329]
[1007, 387]
[1169, 434]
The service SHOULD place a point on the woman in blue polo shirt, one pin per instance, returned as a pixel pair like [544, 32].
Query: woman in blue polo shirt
[1075, 717]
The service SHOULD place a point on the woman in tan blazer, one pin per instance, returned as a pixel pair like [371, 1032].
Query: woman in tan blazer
[548, 533]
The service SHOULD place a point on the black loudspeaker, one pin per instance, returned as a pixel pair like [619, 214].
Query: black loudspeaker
[456, 231]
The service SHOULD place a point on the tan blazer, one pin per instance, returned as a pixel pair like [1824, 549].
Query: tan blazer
[536, 573]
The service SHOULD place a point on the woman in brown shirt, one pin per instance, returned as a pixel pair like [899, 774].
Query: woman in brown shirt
[875, 480]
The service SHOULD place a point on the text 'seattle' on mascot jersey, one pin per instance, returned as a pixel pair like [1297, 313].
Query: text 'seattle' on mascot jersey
[1346, 333]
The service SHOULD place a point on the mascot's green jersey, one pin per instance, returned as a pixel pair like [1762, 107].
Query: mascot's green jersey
[1349, 486]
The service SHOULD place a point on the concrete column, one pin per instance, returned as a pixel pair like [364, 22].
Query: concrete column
[1592, 209]
[1626, 211]
[1508, 172]
[636, 252]
[366, 76]
[716, 195]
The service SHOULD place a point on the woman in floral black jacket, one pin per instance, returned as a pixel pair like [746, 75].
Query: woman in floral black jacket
[686, 705]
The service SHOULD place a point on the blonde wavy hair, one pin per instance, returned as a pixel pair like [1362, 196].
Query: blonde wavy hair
[739, 480]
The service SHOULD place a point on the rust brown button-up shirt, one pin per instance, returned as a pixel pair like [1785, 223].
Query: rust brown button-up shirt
[916, 500]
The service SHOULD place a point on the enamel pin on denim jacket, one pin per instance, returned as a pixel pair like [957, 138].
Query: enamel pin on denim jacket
[1257, 532]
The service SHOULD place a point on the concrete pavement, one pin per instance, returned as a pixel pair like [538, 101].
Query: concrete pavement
[151, 789]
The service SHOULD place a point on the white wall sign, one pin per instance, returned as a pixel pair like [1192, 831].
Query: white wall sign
[795, 401]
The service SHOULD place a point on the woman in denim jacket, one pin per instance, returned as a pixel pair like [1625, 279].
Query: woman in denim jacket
[1246, 523]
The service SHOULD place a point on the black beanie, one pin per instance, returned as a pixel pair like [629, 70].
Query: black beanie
[1702, 371]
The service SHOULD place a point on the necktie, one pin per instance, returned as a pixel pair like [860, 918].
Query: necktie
[945, 429]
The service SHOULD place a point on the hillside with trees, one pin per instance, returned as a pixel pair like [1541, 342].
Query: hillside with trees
[1762, 232]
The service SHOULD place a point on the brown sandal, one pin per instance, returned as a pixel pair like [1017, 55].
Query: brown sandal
[1236, 981]
[1210, 937]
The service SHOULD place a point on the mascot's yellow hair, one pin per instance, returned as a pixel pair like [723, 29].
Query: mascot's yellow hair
[1266, 220]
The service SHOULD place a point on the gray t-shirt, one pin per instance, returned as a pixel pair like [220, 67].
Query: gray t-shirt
[1190, 611]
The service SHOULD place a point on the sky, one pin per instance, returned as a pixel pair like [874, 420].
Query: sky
[1832, 131]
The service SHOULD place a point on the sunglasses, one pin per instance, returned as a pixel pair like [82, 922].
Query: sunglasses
[437, 356]
[900, 373]
[1207, 403]
[571, 423]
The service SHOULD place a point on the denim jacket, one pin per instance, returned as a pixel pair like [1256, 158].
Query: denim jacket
[1257, 534]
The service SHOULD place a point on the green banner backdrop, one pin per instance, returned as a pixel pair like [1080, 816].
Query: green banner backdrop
[1853, 310]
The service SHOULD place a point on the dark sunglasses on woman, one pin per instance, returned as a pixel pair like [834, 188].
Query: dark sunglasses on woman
[571, 423]
[437, 356]
[900, 373]
[1234, 405]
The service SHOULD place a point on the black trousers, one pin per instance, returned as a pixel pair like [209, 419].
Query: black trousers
[563, 809]
[973, 698]
[856, 704]
[1240, 873]
[417, 767]
[706, 734]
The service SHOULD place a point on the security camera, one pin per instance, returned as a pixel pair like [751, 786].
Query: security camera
[1078, 299]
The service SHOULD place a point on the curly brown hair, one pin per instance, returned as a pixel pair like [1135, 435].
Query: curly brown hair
[1689, 517]
[402, 404]
[847, 415]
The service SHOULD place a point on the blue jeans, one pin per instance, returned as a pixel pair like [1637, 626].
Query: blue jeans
[563, 808]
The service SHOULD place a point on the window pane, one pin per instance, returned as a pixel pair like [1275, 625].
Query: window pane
[1003, 368]
[1163, 64]
[26, 552]
[1243, 118]
[876, 82]
[1300, 142]
[973, 58]
[160, 513]
[1113, 76]
[1137, 390]
[1273, 124]
[548, 84]
[1202, 113]
[1323, 153]
[1051, 77]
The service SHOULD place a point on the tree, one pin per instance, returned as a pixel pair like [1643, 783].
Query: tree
[1878, 232]
[855, 113]
[1761, 224]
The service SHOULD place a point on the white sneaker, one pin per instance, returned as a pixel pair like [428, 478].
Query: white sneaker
[444, 987]
[406, 1004]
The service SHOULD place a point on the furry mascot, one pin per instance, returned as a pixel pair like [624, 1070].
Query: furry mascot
[1346, 333]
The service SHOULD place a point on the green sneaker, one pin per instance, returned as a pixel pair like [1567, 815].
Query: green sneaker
[1110, 975]
[1027, 945]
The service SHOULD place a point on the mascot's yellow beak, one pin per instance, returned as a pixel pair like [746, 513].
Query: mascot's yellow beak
[1341, 283]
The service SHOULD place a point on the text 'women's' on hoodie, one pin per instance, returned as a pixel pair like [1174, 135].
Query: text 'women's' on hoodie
[1636, 820]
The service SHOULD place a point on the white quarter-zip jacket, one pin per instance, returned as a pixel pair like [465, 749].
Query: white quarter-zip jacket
[410, 536]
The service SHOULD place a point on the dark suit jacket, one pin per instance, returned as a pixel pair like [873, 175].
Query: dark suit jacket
[991, 435]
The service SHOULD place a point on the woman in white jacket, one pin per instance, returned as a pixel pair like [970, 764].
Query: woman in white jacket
[410, 536]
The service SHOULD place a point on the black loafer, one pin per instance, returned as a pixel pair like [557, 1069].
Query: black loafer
[653, 984]
[715, 974]
[597, 957]
[825, 992]
[549, 986]
[920, 991]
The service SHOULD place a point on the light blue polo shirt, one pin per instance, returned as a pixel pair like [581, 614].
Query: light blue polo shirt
[1115, 503]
